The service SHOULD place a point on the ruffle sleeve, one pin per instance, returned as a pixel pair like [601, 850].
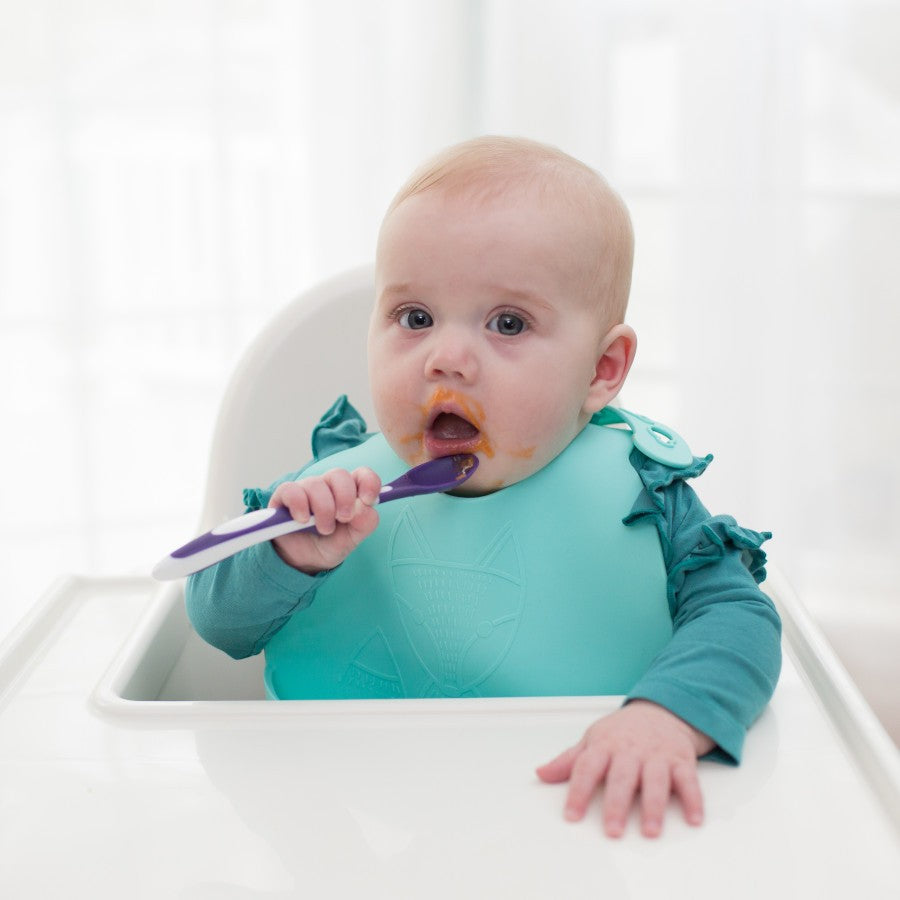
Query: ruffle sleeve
[721, 665]
[662, 501]
[340, 428]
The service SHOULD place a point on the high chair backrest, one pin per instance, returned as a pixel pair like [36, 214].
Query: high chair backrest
[310, 353]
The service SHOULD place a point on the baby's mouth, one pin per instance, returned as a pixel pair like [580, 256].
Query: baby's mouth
[451, 427]
[449, 433]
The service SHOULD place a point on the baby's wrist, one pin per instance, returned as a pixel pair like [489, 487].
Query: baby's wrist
[702, 743]
[301, 564]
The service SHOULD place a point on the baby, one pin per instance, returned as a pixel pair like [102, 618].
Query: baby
[570, 562]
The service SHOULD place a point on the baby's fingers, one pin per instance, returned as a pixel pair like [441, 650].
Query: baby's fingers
[687, 786]
[343, 488]
[560, 768]
[621, 786]
[588, 772]
[368, 484]
[656, 787]
[292, 495]
[330, 498]
[322, 504]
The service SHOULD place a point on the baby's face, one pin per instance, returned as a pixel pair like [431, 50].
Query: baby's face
[483, 339]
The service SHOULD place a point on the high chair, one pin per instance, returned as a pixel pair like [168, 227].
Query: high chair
[311, 352]
[137, 761]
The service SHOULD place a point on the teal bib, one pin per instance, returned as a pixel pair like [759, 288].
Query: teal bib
[535, 590]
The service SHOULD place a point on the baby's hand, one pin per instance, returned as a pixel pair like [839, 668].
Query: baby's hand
[643, 749]
[341, 502]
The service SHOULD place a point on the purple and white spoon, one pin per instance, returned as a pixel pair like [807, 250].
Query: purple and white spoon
[261, 525]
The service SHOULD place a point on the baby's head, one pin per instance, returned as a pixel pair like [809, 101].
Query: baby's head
[502, 277]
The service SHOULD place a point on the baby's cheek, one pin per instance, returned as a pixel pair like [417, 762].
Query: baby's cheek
[523, 452]
[409, 446]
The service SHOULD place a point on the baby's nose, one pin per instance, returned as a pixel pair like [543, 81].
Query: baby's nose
[452, 357]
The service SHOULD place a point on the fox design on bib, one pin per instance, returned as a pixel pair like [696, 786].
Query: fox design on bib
[460, 618]
[373, 671]
[536, 590]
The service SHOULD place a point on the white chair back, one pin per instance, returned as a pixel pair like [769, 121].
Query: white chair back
[310, 353]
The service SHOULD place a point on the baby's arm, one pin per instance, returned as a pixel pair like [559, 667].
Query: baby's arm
[717, 673]
[342, 504]
[641, 749]
[239, 603]
[719, 670]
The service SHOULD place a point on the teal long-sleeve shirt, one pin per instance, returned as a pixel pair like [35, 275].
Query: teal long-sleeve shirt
[717, 672]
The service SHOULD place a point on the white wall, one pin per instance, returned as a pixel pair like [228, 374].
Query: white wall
[172, 172]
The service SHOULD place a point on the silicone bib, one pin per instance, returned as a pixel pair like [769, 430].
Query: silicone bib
[537, 589]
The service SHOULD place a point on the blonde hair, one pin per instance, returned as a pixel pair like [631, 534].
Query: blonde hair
[488, 167]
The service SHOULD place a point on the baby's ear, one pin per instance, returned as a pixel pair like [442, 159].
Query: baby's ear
[613, 364]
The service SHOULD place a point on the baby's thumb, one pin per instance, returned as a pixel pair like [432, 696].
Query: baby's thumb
[558, 769]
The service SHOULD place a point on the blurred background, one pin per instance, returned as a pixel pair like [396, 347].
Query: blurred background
[171, 173]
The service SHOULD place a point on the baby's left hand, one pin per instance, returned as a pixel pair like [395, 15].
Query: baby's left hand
[643, 749]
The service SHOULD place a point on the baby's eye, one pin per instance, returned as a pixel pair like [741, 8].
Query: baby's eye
[507, 323]
[415, 319]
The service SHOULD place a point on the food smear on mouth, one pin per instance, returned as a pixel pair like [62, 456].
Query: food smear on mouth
[458, 423]
[419, 454]
[416, 438]
[445, 397]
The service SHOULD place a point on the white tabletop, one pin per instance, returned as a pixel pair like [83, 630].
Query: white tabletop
[424, 799]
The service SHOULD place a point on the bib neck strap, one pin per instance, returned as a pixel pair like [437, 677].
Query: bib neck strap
[655, 440]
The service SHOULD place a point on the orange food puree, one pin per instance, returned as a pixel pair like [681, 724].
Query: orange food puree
[524, 453]
[470, 409]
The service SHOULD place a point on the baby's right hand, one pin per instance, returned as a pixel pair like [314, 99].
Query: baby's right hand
[341, 502]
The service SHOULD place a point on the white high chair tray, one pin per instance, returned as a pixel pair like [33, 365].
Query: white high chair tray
[122, 775]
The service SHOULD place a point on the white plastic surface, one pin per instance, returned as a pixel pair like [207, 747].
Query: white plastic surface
[108, 797]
